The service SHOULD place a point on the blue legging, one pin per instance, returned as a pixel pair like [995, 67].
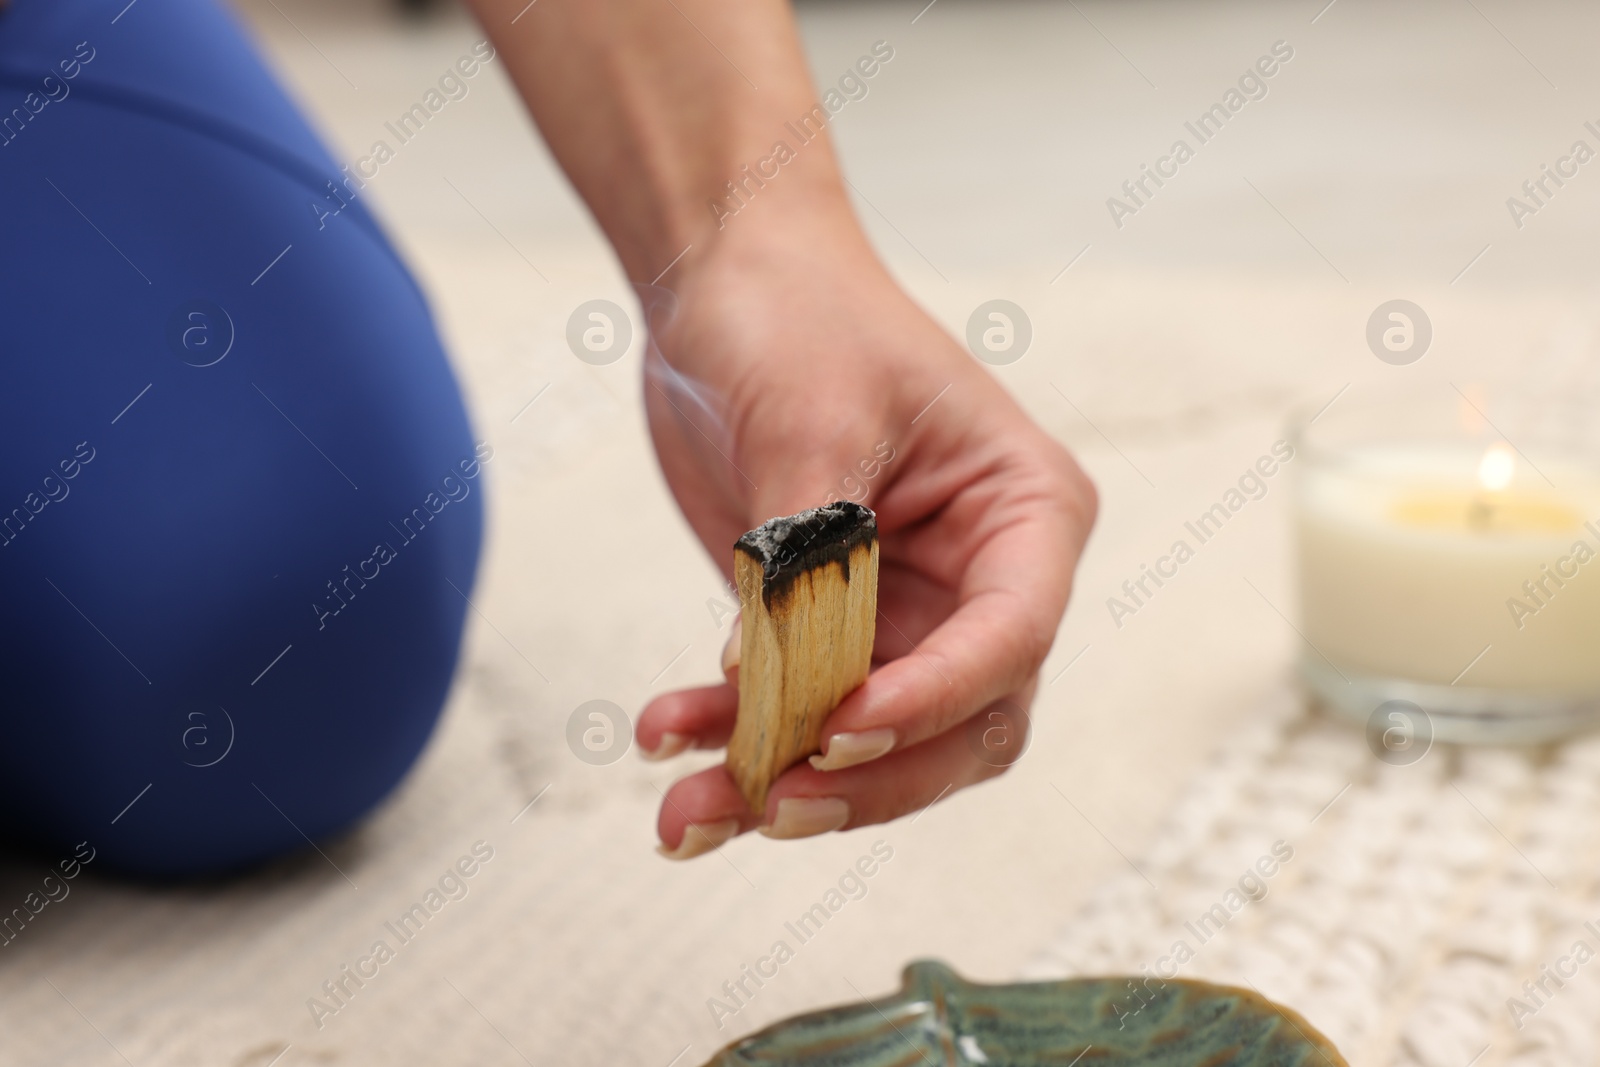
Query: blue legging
[240, 502]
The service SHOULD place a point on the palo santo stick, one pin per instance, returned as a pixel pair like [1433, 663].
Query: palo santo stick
[808, 598]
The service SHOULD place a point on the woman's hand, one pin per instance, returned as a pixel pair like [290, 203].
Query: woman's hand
[788, 325]
[791, 357]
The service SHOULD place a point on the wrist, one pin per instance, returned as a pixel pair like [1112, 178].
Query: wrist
[778, 236]
[741, 213]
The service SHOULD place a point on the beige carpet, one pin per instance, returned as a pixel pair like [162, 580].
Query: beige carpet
[1167, 356]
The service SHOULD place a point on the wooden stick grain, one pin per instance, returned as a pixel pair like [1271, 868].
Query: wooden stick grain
[808, 595]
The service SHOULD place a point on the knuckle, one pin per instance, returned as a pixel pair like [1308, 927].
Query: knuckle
[1031, 643]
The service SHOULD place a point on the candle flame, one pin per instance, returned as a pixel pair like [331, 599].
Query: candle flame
[1496, 467]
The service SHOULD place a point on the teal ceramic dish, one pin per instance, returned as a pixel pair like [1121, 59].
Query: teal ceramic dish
[938, 1019]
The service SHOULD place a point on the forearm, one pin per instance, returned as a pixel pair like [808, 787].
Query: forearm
[652, 119]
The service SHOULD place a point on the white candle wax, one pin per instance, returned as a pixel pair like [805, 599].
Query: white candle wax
[1415, 559]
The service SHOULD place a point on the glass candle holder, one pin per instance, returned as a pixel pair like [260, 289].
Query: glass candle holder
[1450, 562]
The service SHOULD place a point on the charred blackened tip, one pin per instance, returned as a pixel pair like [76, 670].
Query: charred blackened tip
[792, 545]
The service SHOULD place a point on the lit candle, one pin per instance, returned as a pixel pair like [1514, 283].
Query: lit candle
[1451, 566]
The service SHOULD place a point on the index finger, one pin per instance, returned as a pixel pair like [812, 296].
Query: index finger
[1010, 601]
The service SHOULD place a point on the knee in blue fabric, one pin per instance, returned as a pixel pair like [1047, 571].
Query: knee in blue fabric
[240, 502]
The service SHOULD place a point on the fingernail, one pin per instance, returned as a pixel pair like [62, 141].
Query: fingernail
[807, 817]
[847, 750]
[671, 745]
[700, 839]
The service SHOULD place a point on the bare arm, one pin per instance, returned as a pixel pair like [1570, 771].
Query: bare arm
[821, 364]
[653, 106]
